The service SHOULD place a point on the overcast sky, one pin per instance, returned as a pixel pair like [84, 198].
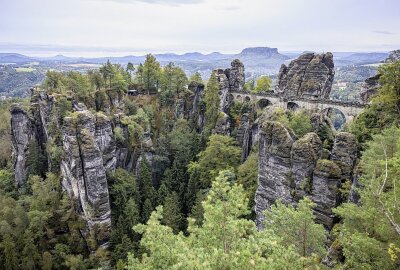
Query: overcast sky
[120, 27]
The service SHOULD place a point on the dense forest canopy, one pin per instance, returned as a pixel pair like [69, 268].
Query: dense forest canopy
[191, 206]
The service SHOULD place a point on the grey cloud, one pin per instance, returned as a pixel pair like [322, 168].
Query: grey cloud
[383, 32]
[160, 2]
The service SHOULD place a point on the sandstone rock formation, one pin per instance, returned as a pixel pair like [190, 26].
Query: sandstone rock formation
[274, 174]
[222, 126]
[230, 80]
[393, 56]
[310, 75]
[370, 88]
[243, 136]
[197, 110]
[89, 151]
[235, 75]
[22, 134]
[291, 168]
[85, 139]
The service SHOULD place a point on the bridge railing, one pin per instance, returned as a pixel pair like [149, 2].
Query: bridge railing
[293, 99]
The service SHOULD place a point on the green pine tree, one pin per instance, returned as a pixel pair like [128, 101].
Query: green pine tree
[212, 103]
[147, 209]
[172, 212]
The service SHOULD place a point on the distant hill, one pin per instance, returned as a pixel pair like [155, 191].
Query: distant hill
[14, 58]
[361, 58]
[261, 52]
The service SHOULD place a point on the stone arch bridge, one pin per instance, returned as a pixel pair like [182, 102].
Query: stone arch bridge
[348, 109]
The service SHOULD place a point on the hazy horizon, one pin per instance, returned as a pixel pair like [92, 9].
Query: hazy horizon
[117, 52]
[94, 28]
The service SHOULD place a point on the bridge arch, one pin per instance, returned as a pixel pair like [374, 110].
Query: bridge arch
[292, 106]
[239, 98]
[337, 117]
[247, 99]
[263, 103]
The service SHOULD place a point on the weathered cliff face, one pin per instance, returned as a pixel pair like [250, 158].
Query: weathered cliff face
[89, 151]
[244, 136]
[37, 124]
[344, 153]
[85, 139]
[235, 75]
[196, 113]
[224, 97]
[223, 125]
[108, 101]
[370, 88]
[230, 80]
[105, 141]
[291, 168]
[274, 173]
[310, 75]
[22, 133]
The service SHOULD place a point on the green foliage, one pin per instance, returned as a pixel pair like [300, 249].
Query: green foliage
[298, 121]
[370, 228]
[212, 103]
[33, 225]
[5, 138]
[119, 135]
[236, 110]
[172, 212]
[7, 185]
[263, 84]
[221, 153]
[296, 227]
[250, 85]
[114, 76]
[137, 125]
[130, 69]
[384, 109]
[224, 241]
[247, 176]
[96, 79]
[78, 83]
[123, 187]
[184, 142]
[173, 83]
[150, 74]
[125, 211]
[54, 82]
[147, 192]
[36, 161]
[196, 77]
